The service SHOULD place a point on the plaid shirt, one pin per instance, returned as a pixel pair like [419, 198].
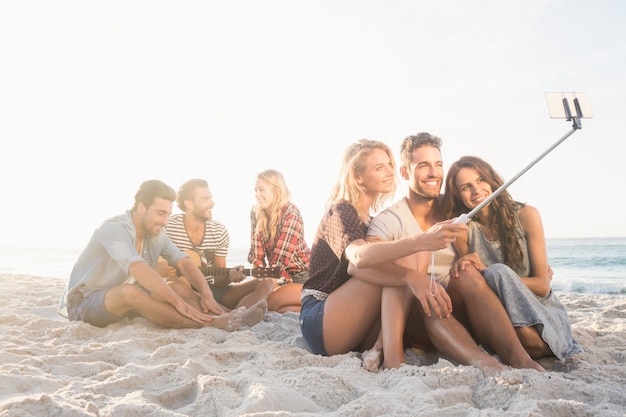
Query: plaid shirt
[288, 251]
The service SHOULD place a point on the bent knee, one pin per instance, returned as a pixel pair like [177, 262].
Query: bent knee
[118, 300]
[267, 285]
[181, 288]
[129, 292]
[469, 277]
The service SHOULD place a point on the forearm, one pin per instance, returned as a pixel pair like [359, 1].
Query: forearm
[153, 282]
[221, 279]
[370, 254]
[437, 237]
[193, 274]
[387, 274]
[538, 285]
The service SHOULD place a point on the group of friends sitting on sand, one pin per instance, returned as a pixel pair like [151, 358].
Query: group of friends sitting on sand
[380, 276]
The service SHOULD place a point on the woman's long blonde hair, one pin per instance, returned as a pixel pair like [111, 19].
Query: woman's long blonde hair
[346, 188]
[267, 225]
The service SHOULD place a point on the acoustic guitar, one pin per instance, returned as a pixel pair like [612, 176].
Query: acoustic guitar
[212, 271]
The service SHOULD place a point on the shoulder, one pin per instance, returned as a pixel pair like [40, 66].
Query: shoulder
[215, 228]
[122, 221]
[528, 216]
[527, 212]
[175, 219]
[396, 212]
[343, 224]
[399, 208]
[339, 216]
[214, 225]
[292, 207]
[343, 209]
[291, 210]
[176, 226]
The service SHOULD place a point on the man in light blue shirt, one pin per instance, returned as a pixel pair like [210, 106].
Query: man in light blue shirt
[114, 276]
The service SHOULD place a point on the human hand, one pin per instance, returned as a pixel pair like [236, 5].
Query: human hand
[434, 299]
[550, 273]
[236, 274]
[461, 264]
[440, 235]
[165, 270]
[191, 313]
[208, 304]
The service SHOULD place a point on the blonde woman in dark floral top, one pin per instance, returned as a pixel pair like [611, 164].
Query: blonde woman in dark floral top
[341, 313]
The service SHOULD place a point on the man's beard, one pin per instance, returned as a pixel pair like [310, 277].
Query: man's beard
[202, 215]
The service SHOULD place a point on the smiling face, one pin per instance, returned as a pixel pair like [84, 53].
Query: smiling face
[201, 206]
[155, 217]
[377, 175]
[425, 172]
[471, 187]
[263, 194]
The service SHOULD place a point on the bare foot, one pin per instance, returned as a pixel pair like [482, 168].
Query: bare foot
[490, 366]
[230, 321]
[372, 359]
[529, 364]
[254, 314]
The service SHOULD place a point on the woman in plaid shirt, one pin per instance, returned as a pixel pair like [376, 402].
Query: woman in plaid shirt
[277, 240]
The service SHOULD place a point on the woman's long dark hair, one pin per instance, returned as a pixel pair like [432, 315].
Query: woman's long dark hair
[502, 210]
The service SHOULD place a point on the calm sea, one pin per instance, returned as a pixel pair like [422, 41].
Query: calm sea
[593, 265]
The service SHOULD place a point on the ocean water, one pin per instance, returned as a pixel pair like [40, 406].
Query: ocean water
[591, 265]
[596, 266]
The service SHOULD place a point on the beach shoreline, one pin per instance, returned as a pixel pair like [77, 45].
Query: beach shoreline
[51, 366]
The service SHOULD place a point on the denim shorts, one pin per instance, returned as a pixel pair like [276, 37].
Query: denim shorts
[299, 277]
[311, 324]
[218, 292]
[92, 310]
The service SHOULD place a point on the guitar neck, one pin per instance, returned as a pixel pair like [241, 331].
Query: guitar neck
[221, 272]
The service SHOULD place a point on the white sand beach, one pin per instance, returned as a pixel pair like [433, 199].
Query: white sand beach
[52, 367]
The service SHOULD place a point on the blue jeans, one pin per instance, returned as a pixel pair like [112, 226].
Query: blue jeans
[311, 324]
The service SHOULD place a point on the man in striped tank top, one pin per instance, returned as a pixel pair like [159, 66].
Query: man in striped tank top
[195, 232]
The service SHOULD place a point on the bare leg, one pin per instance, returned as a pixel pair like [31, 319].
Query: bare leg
[352, 317]
[254, 314]
[396, 303]
[247, 293]
[532, 342]
[285, 298]
[488, 319]
[122, 299]
[184, 290]
[453, 341]
[450, 338]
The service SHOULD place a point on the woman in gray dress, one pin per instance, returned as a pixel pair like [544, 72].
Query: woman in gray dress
[506, 242]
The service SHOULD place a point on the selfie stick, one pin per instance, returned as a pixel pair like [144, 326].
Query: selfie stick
[464, 218]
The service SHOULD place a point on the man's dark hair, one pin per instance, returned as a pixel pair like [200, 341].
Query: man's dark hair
[151, 190]
[413, 142]
[185, 192]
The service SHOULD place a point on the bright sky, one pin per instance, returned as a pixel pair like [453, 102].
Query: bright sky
[98, 96]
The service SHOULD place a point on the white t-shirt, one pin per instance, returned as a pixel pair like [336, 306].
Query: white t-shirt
[397, 222]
